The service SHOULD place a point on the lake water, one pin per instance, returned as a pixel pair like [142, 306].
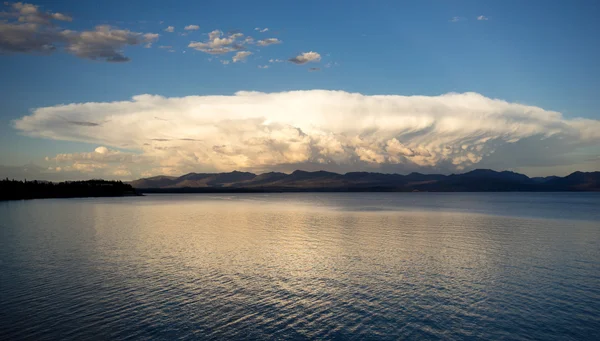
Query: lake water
[514, 266]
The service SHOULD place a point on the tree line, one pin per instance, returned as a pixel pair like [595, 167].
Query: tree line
[15, 189]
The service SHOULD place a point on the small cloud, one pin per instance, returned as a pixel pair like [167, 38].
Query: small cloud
[263, 66]
[456, 19]
[306, 57]
[268, 41]
[313, 69]
[241, 56]
[261, 30]
[170, 29]
[482, 17]
[191, 28]
[224, 62]
[276, 60]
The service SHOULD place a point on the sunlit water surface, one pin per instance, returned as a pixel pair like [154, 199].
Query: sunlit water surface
[301, 266]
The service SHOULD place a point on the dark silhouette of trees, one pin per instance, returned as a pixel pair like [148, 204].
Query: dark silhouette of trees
[15, 190]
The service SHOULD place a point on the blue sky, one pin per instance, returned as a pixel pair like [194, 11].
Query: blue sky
[538, 53]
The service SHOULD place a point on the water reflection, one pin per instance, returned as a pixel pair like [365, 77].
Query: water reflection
[295, 266]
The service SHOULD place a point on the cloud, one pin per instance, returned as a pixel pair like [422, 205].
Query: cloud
[241, 56]
[105, 43]
[276, 61]
[32, 31]
[28, 13]
[191, 28]
[306, 57]
[331, 129]
[263, 66]
[268, 41]
[170, 29]
[224, 62]
[261, 30]
[481, 17]
[456, 19]
[218, 44]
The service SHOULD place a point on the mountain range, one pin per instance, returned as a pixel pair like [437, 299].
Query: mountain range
[480, 180]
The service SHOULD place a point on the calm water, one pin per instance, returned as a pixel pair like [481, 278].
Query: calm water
[301, 266]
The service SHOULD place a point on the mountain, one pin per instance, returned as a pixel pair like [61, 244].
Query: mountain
[479, 180]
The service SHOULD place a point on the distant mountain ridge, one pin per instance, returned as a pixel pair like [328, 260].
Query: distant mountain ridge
[479, 180]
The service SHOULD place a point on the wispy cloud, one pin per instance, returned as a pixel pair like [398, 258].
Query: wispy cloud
[263, 66]
[268, 41]
[261, 30]
[482, 17]
[456, 19]
[191, 28]
[241, 56]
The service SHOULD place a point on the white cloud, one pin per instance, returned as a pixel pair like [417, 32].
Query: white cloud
[268, 41]
[241, 56]
[170, 29]
[191, 28]
[350, 131]
[224, 62]
[306, 57]
[456, 19]
[261, 30]
[30, 31]
[482, 17]
[217, 44]
[276, 61]
[263, 66]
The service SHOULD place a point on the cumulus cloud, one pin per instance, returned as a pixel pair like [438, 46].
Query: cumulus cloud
[268, 41]
[170, 29]
[30, 31]
[191, 28]
[219, 44]
[105, 43]
[306, 57]
[482, 17]
[333, 129]
[28, 13]
[241, 56]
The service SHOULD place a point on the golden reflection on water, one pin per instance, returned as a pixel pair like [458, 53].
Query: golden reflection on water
[294, 266]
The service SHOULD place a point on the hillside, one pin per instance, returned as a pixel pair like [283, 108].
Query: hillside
[480, 180]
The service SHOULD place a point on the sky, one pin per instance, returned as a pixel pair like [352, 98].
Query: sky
[130, 89]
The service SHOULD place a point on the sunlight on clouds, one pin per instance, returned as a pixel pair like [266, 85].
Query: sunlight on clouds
[254, 130]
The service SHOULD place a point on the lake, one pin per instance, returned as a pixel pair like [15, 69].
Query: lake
[478, 266]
